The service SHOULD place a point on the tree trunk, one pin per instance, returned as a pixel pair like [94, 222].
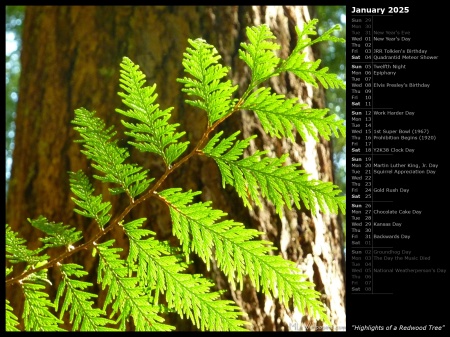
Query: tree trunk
[70, 59]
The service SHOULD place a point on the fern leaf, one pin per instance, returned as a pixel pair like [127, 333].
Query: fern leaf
[215, 94]
[59, 234]
[310, 29]
[141, 254]
[198, 227]
[91, 206]
[108, 156]
[16, 250]
[37, 315]
[259, 53]
[269, 177]
[82, 314]
[127, 297]
[308, 71]
[327, 36]
[11, 319]
[187, 294]
[278, 115]
[154, 133]
[328, 79]
[303, 39]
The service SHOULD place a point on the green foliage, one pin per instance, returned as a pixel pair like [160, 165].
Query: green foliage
[259, 175]
[135, 279]
[17, 252]
[83, 315]
[58, 234]
[124, 291]
[277, 115]
[108, 157]
[11, 319]
[37, 315]
[237, 254]
[91, 206]
[259, 54]
[202, 63]
[190, 295]
[154, 134]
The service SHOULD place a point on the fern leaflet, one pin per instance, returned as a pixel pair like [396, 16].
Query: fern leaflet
[127, 297]
[309, 28]
[59, 234]
[279, 183]
[197, 227]
[277, 115]
[17, 252]
[201, 63]
[11, 319]
[307, 70]
[82, 315]
[109, 157]
[154, 133]
[188, 294]
[91, 206]
[36, 311]
[259, 54]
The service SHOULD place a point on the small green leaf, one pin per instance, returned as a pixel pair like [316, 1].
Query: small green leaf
[215, 94]
[59, 234]
[154, 133]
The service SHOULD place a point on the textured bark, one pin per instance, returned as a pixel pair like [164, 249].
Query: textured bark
[70, 59]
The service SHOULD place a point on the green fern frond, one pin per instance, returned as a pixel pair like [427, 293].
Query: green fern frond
[16, 251]
[11, 320]
[91, 206]
[144, 252]
[82, 314]
[278, 115]
[308, 71]
[108, 156]
[303, 40]
[59, 234]
[198, 227]
[259, 53]
[187, 294]
[36, 311]
[127, 297]
[201, 63]
[327, 79]
[271, 178]
[309, 28]
[327, 35]
[154, 134]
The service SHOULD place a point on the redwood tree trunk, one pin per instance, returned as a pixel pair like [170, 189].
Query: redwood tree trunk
[70, 59]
